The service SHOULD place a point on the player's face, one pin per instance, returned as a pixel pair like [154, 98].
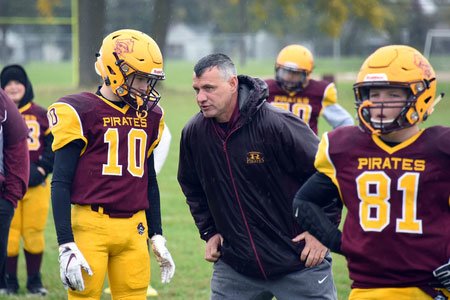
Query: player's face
[138, 83]
[291, 79]
[392, 100]
[15, 90]
[216, 96]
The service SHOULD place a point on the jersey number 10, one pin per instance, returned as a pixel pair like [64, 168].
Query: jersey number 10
[136, 144]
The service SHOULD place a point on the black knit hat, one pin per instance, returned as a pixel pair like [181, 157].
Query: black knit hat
[13, 72]
[17, 72]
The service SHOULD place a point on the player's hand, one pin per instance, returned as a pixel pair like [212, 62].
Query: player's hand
[163, 257]
[443, 275]
[314, 252]
[71, 261]
[212, 251]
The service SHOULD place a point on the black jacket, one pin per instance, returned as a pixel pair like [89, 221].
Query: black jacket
[241, 182]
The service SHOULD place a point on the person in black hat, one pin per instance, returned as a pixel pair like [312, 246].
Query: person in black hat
[31, 213]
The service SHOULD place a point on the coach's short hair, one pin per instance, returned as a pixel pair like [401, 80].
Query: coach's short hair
[219, 60]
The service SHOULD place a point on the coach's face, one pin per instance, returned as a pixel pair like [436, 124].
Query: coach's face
[216, 95]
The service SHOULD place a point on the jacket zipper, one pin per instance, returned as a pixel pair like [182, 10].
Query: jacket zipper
[261, 268]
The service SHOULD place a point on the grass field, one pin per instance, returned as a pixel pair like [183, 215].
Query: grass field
[192, 275]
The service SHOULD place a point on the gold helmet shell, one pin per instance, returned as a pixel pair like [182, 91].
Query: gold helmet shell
[127, 53]
[293, 66]
[396, 66]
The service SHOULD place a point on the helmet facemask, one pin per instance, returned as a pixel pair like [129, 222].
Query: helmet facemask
[291, 79]
[407, 116]
[139, 100]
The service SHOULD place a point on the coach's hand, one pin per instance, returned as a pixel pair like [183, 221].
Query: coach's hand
[163, 257]
[213, 245]
[314, 252]
[443, 275]
[71, 261]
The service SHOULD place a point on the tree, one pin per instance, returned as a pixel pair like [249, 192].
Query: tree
[91, 22]
[160, 22]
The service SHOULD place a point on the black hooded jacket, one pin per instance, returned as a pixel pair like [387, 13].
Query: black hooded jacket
[241, 182]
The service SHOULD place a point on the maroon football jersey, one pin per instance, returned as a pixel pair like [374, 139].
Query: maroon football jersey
[36, 119]
[112, 169]
[397, 229]
[307, 104]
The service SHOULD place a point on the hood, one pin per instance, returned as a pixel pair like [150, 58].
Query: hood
[17, 72]
[252, 93]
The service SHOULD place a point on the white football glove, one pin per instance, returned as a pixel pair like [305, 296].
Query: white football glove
[163, 257]
[71, 261]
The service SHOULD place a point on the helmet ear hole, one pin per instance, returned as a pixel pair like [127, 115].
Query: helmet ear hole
[111, 71]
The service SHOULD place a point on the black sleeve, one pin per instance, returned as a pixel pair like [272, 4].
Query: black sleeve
[66, 160]
[312, 205]
[36, 177]
[47, 158]
[153, 213]
[45, 162]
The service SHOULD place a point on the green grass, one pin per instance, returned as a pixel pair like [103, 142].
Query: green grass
[193, 273]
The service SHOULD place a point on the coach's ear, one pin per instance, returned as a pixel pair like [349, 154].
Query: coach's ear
[234, 83]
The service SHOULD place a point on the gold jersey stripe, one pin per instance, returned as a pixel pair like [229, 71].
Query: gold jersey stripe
[323, 161]
[398, 147]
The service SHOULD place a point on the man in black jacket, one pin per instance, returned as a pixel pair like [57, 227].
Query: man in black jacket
[241, 162]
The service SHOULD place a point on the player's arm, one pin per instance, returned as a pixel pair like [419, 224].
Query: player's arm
[333, 113]
[44, 166]
[66, 160]
[162, 150]
[317, 193]
[153, 213]
[337, 116]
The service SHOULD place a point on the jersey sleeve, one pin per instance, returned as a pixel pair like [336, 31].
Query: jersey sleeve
[329, 95]
[65, 125]
[159, 135]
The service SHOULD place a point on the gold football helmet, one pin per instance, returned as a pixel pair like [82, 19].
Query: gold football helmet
[396, 66]
[124, 55]
[293, 66]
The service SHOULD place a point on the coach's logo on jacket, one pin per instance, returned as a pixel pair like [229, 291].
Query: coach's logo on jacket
[254, 157]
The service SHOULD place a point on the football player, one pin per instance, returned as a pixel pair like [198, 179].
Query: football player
[394, 179]
[160, 155]
[104, 167]
[294, 90]
[30, 216]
